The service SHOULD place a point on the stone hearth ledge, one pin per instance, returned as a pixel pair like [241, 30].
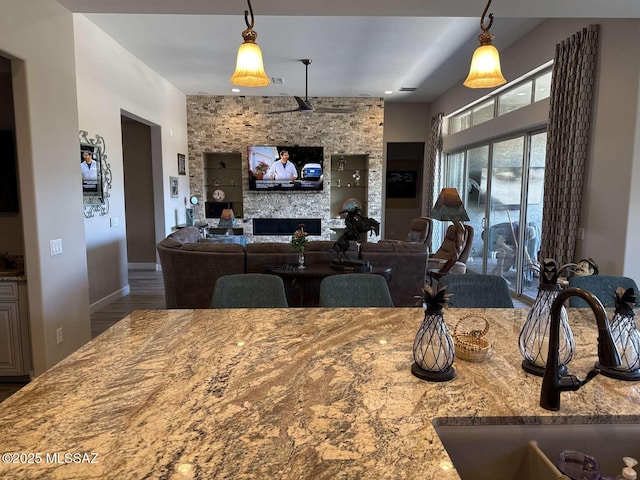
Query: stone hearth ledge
[282, 394]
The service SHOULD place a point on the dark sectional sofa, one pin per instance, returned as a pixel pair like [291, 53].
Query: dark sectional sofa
[191, 264]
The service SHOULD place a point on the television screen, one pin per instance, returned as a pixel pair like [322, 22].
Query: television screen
[301, 170]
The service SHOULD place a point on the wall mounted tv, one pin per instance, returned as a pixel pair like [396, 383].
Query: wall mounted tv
[265, 167]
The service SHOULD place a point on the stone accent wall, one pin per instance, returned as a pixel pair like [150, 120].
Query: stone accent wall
[231, 124]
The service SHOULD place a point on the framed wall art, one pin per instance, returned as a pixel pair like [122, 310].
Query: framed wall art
[402, 184]
[182, 165]
[173, 187]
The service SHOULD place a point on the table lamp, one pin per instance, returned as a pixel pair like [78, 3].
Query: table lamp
[449, 207]
[228, 220]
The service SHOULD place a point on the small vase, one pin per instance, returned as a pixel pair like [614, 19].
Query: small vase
[433, 349]
[301, 260]
[534, 336]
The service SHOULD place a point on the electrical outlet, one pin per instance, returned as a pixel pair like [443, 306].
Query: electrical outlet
[580, 233]
[115, 222]
[59, 336]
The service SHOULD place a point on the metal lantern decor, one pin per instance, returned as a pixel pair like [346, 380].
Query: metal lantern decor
[534, 336]
[625, 337]
[433, 349]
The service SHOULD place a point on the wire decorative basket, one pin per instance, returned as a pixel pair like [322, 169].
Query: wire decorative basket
[470, 343]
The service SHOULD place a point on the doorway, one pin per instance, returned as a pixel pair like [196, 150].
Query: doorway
[138, 194]
[403, 192]
[503, 185]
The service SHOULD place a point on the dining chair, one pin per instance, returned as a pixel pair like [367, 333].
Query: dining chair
[249, 290]
[355, 290]
[477, 291]
[602, 286]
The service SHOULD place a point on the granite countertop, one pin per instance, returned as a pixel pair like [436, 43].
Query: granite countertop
[12, 275]
[280, 394]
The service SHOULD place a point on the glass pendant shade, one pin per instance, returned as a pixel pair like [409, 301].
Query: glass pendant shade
[485, 68]
[534, 336]
[249, 67]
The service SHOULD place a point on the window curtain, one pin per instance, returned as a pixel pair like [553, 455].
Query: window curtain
[434, 172]
[568, 134]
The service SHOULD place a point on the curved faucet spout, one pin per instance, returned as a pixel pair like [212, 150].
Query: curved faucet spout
[553, 382]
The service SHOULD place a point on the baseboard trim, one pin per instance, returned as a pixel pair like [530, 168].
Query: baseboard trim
[100, 304]
[142, 266]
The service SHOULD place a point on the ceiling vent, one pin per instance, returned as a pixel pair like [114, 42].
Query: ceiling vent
[277, 80]
[408, 89]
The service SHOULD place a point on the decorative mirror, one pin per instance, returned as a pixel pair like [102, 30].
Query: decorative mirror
[96, 175]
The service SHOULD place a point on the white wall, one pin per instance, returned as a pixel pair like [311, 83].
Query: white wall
[111, 80]
[611, 226]
[38, 35]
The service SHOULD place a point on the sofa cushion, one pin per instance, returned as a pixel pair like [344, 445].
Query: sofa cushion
[213, 247]
[268, 254]
[408, 262]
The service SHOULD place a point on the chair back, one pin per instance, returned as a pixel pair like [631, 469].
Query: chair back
[355, 290]
[420, 231]
[477, 291]
[249, 290]
[602, 286]
[442, 262]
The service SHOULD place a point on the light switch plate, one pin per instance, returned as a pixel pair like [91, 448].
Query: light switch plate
[55, 246]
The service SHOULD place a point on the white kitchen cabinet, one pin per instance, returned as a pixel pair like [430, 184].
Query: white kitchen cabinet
[15, 359]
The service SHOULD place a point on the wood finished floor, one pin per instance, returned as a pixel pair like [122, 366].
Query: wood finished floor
[146, 292]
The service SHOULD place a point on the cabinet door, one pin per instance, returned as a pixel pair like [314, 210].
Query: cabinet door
[10, 346]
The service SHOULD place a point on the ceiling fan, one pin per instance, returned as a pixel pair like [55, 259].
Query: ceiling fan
[303, 103]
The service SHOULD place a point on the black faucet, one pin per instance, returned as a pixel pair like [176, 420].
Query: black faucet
[553, 382]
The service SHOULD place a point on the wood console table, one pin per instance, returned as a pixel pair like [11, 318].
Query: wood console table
[303, 285]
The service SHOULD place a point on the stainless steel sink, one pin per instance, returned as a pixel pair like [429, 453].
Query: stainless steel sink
[503, 450]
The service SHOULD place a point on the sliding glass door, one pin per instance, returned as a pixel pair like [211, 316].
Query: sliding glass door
[501, 184]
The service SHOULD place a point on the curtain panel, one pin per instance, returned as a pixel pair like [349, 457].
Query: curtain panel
[568, 136]
[434, 170]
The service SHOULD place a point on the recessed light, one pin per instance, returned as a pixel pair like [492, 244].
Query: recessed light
[235, 90]
[388, 92]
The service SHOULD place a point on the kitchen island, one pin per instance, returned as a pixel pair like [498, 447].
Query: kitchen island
[279, 394]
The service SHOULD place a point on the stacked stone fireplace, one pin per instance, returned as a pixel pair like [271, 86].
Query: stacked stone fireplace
[231, 124]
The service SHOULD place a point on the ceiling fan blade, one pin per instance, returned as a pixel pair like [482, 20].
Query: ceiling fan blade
[303, 104]
[333, 110]
[285, 111]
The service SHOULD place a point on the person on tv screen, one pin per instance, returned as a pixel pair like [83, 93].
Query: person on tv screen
[283, 169]
[89, 167]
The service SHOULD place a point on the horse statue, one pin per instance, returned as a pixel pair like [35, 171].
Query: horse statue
[356, 224]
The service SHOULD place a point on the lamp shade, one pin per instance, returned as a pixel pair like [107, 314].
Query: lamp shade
[449, 207]
[485, 68]
[227, 214]
[249, 66]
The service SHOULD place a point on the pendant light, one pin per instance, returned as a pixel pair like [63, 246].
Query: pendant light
[249, 67]
[485, 63]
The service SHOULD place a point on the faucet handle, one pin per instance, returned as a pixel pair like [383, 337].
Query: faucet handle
[571, 383]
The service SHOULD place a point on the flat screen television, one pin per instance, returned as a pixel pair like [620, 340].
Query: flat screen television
[308, 163]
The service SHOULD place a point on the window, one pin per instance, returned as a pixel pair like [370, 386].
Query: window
[531, 88]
